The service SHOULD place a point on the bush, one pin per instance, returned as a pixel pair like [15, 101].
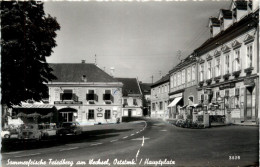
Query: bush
[188, 124]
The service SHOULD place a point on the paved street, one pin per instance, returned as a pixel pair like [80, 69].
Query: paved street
[137, 142]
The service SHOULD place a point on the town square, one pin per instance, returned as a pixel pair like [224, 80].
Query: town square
[140, 83]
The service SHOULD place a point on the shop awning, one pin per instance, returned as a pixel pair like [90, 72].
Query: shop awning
[175, 101]
[197, 105]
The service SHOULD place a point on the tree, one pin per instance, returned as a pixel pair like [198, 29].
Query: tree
[28, 37]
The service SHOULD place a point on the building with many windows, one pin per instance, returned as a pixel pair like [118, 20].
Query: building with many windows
[160, 98]
[132, 98]
[228, 64]
[183, 84]
[85, 93]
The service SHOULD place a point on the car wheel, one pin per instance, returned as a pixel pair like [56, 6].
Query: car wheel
[6, 136]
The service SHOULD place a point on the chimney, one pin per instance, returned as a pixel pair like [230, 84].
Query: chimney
[84, 78]
[112, 71]
[83, 61]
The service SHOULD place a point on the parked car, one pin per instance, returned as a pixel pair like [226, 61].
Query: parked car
[70, 128]
[5, 133]
[48, 130]
[30, 132]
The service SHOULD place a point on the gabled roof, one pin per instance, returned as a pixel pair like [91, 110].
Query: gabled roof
[163, 80]
[241, 4]
[73, 72]
[130, 86]
[227, 14]
[146, 88]
[214, 21]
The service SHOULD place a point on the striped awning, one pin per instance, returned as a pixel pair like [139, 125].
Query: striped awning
[40, 106]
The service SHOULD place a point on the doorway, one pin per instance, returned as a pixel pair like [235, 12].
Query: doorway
[129, 112]
[249, 107]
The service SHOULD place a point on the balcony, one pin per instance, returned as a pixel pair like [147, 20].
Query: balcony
[68, 98]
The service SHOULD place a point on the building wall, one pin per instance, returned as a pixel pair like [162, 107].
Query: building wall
[136, 110]
[237, 112]
[190, 92]
[159, 94]
[83, 108]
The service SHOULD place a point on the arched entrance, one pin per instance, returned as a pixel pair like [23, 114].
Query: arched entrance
[67, 114]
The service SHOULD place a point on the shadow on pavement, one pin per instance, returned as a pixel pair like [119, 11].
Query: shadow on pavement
[86, 136]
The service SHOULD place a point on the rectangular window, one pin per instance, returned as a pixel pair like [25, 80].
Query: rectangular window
[153, 106]
[217, 68]
[188, 74]
[175, 80]
[90, 95]
[201, 72]
[249, 55]
[134, 102]
[183, 77]
[227, 93]
[236, 62]
[107, 96]
[107, 114]
[227, 64]
[125, 102]
[193, 72]
[171, 82]
[161, 105]
[209, 70]
[67, 94]
[91, 114]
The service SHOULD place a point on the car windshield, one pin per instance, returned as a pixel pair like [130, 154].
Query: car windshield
[65, 125]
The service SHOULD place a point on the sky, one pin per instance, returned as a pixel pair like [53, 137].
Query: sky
[138, 39]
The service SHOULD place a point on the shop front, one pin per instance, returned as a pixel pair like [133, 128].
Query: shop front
[176, 102]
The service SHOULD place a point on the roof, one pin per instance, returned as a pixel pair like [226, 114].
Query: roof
[130, 86]
[241, 4]
[188, 60]
[215, 21]
[227, 14]
[146, 88]
[231, 32]
[73, 72]
[163, 80]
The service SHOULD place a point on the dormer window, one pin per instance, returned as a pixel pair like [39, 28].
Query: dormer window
[84, 78]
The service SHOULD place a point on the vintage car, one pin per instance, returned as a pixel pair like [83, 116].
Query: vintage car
[70, 128]
[48, 130]
[30, 132]
[5, 133]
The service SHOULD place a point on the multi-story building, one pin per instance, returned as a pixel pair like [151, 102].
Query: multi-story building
[183, 84]
[160, 98]
[132, 98]
[228, 64]
[146, 91]
[85, 93]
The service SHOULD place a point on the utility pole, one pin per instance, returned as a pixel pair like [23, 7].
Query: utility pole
[160, 72]
[152, 79]
[95, 59]
[179, 54]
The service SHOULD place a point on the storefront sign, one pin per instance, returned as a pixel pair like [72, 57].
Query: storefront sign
[249, 82]
[176, 95]
[226, 86]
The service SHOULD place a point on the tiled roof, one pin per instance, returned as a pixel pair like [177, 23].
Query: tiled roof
[146, 88]
[73, 72]
[226, 13]
[241, 4]
[164, 79]
[130, 86]
[215, 21]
